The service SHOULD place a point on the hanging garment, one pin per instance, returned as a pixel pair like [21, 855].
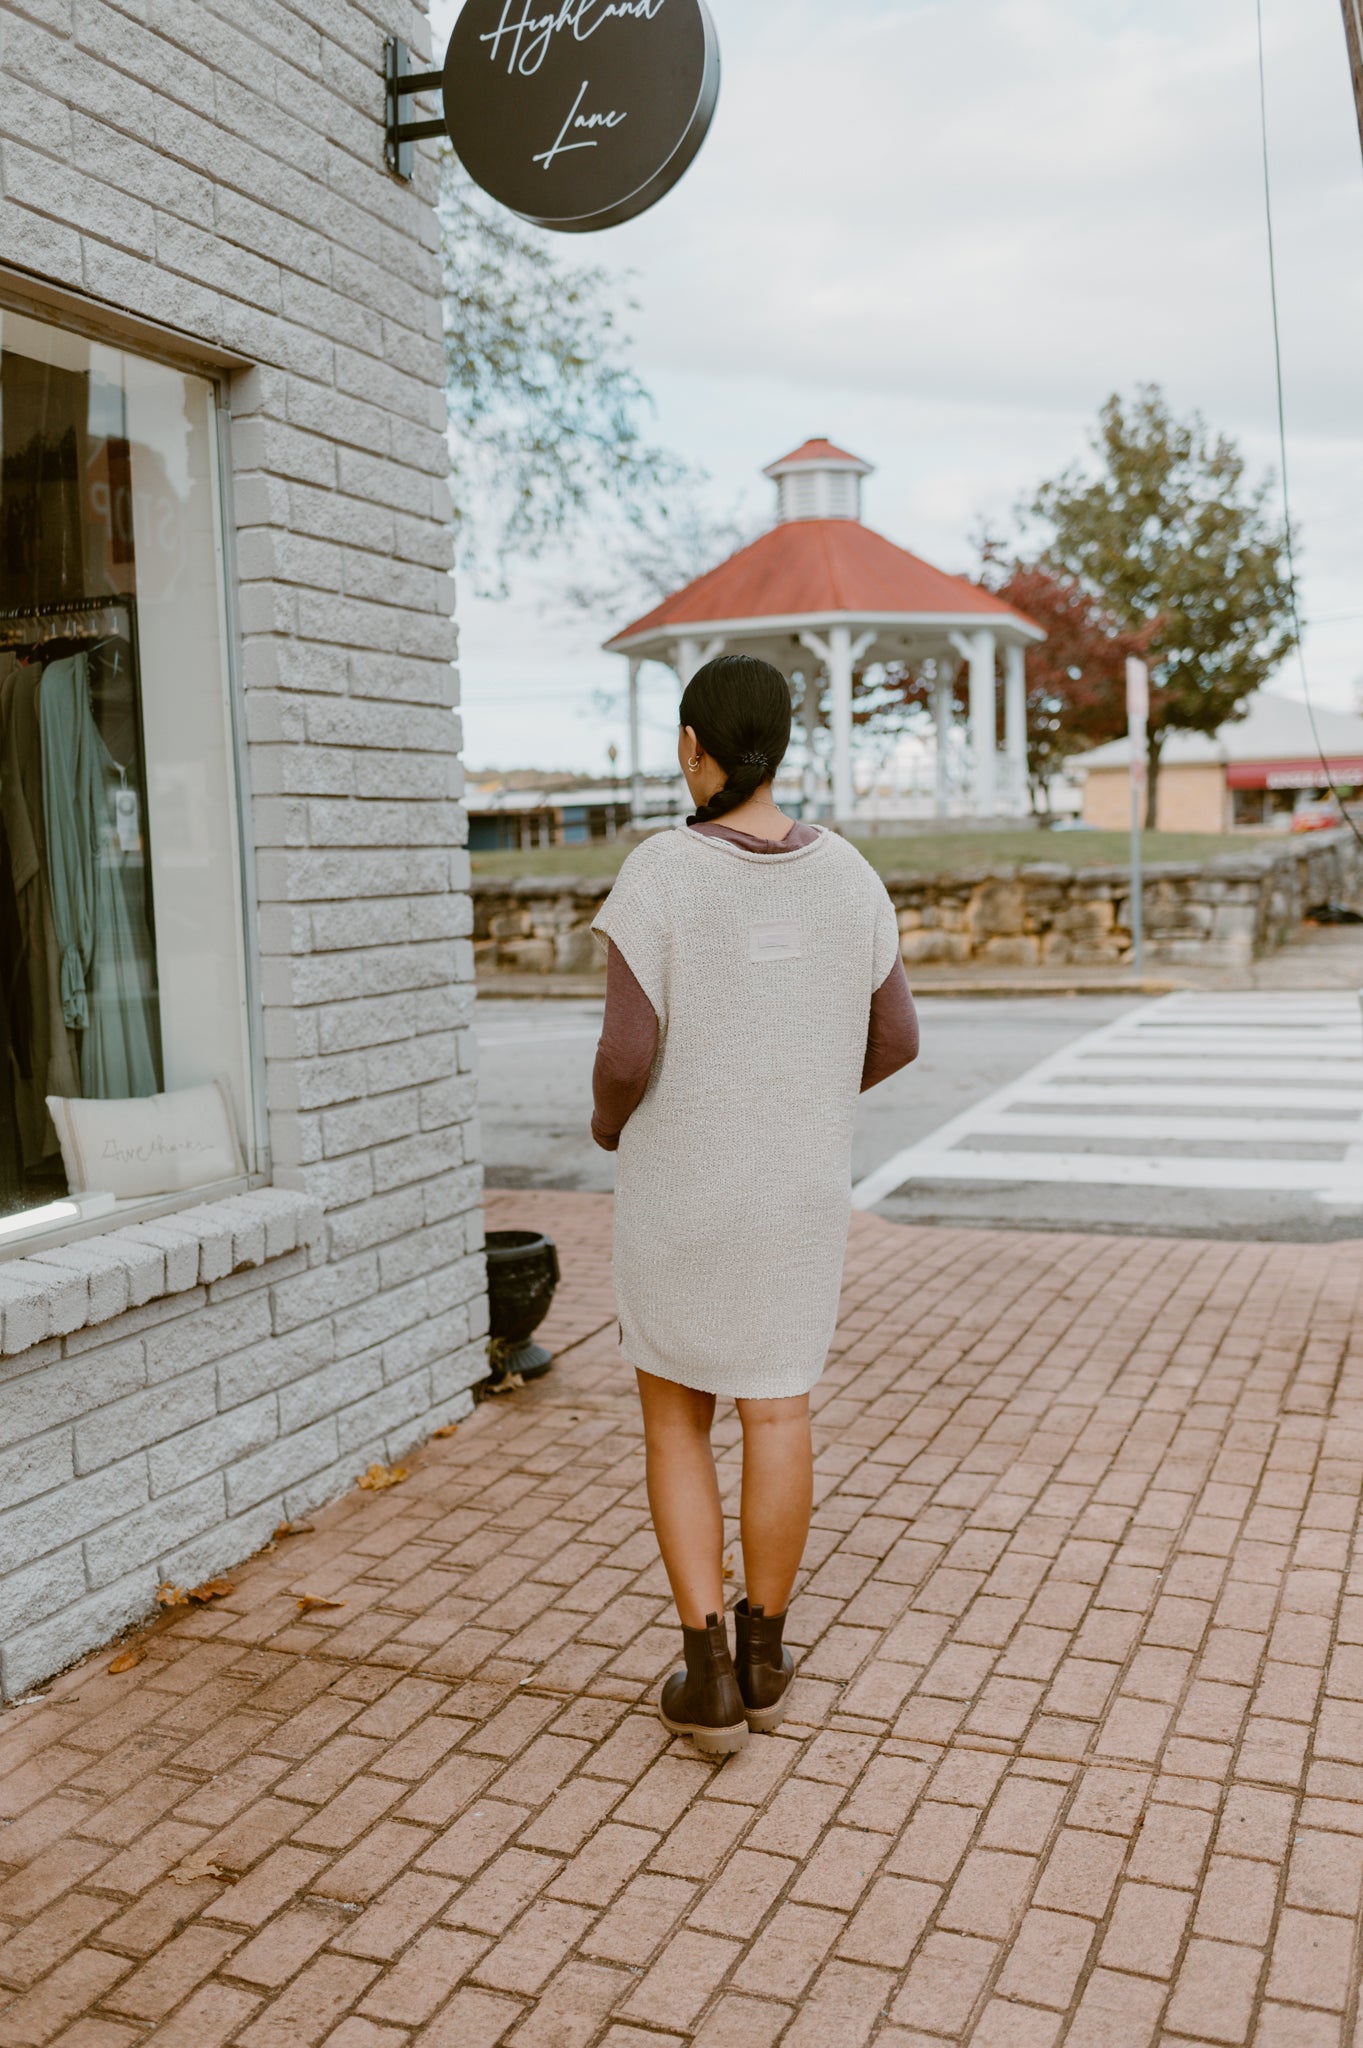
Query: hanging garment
[51, 1066]
[16, 1003]
[16, 1050]
[107, 969]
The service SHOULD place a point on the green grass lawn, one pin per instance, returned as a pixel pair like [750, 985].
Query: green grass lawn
[603, 859]
[935, 853]
[924, 853]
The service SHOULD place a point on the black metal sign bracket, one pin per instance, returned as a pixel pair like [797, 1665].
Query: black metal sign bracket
[400, 82]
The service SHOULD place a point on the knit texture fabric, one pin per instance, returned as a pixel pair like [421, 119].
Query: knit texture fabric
[733, 1181]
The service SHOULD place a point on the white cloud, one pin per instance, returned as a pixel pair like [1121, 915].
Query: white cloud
[942, 231]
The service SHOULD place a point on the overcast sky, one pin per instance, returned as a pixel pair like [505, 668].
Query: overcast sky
[941, 232]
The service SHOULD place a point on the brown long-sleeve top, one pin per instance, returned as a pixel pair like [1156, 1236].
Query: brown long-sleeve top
[629, 1029]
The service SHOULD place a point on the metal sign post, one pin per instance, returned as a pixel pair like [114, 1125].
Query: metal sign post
[1353, 35]
[576, 118]
[1137, 715]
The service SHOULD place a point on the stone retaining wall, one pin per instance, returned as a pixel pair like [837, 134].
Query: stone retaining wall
[1221, 913]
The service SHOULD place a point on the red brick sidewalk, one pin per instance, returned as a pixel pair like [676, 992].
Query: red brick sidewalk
[1077, 1752]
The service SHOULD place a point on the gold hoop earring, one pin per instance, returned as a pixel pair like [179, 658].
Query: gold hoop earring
[695, 766]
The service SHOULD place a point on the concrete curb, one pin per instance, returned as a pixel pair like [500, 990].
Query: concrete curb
[579, 987]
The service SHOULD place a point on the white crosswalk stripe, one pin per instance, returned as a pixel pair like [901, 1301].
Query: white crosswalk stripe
[1256, 1092]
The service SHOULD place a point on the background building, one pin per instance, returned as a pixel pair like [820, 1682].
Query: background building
[532, 809]
[1264, 769]
[240, 1257]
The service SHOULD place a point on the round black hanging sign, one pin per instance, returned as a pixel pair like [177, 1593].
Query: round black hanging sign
[579, 114]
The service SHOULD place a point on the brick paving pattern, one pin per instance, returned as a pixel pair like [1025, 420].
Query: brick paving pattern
[1076, 1753]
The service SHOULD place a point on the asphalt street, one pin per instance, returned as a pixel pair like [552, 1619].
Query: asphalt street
[536, 1061]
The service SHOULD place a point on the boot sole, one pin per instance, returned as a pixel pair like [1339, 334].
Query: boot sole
[710, 1741]
[762, 1720]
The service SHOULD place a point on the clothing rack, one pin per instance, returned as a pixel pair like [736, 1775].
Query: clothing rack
[88, 617]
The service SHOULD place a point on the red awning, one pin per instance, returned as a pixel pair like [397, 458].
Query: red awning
[1300, 774]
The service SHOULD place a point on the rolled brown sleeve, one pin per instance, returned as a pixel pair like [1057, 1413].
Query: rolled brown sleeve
[625, 1054]
[892, 1032]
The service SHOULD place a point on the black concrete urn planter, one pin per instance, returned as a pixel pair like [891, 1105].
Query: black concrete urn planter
[522, 1273]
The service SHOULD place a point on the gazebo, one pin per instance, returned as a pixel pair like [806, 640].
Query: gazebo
[820, 583]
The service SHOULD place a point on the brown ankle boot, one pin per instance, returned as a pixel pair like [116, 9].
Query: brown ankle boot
[764, 1669]
[704, 1701]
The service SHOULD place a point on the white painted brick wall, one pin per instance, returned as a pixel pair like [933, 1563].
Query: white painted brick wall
[218, 167]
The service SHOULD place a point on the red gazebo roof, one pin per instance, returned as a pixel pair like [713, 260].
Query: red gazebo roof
[812, 568]
[816, 451]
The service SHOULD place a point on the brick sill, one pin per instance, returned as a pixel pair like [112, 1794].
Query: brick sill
[118, 1263]
[101, 1221]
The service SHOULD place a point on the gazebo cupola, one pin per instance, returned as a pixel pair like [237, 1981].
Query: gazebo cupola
[821, 594]
[818, 481]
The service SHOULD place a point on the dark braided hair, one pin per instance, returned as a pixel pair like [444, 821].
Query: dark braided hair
[739, 709]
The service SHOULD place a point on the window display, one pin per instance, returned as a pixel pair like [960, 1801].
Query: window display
[121, 960]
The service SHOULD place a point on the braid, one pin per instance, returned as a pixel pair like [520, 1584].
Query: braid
[740, 785]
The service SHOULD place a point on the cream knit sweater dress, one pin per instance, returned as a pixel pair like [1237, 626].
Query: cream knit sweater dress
[733, 1182]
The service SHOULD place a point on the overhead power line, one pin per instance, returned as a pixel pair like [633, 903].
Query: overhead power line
[1350, 6]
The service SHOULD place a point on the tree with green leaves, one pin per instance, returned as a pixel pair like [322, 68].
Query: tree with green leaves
[548, 418]
[1173, 543]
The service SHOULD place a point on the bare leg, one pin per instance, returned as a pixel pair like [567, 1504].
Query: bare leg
[778, 1497]
[683, 1494]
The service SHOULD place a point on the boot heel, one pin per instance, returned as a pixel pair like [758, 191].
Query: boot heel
[762, 1720]
[714, 1741]
[719, 1741]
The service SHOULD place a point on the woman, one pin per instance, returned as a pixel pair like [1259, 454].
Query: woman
[754, 985]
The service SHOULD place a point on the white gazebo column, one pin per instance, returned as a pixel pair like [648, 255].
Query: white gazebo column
[691, 655]
[811, 719]
[943, 706]
[1015, 725]
[840, 654]
[978, 650]
[636, 766]
[840, 689]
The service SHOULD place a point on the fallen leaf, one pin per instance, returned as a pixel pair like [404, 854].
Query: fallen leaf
[171, 1596]
[450, 1429]
[509, 1383]
[212, 1589]
[126, 1660]
[379, 1477]
[194, 1873]
[307, 1602]
[293, 1529]
[729, 1566]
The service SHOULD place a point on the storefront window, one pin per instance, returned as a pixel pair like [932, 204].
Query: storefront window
[124, 1059]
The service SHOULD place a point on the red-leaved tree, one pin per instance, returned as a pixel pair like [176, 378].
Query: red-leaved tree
[1076, 677]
